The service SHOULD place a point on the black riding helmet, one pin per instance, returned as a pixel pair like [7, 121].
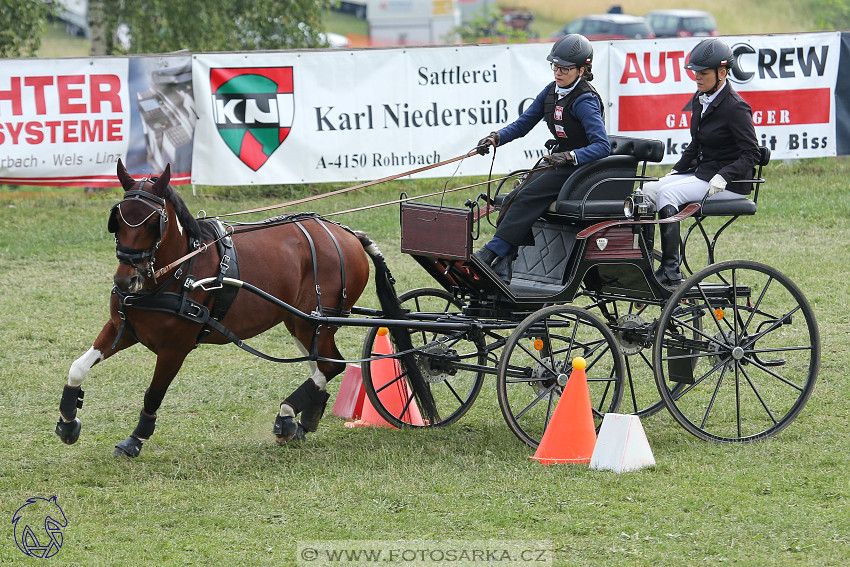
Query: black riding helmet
[573, 49]
[712, 53]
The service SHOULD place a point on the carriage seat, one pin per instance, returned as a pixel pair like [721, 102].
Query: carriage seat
[739, 207]
[596, 190]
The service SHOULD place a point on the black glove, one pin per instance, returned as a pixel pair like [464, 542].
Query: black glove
[484, 144]
[561, 158]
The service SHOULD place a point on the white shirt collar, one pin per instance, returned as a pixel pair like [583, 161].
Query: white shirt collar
[562, 92]
[706, 100]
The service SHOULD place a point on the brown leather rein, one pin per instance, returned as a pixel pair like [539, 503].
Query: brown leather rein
[230, 230]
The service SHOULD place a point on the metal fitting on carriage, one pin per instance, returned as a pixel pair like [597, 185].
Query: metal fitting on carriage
[636, 205]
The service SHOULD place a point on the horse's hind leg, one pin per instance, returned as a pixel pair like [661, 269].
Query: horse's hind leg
[68, 427]
[311, 397]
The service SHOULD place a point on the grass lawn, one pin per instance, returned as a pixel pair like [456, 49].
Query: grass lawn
[211, 487]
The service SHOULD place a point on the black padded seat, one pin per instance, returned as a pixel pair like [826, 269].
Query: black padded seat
[738, 207]
[596, 190]
[732, 208]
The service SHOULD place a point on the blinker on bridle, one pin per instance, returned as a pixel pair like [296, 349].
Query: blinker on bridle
[134, 256]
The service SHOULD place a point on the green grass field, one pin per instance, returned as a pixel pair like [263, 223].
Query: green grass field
[211, 487]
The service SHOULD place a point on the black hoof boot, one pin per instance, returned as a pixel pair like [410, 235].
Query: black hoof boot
[129, 447]
[310, 416]
[286, 430]
[69, 431]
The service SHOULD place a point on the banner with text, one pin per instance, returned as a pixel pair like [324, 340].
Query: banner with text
[295, 117]
[68, 121]
[788, 80]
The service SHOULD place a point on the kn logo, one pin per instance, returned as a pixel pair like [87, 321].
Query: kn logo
[253, 110]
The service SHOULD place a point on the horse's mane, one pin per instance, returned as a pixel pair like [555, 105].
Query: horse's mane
[201, 230]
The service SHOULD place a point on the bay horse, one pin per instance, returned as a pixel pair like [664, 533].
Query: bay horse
[303, 260]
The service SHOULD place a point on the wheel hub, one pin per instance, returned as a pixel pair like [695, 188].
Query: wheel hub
[726, 349]
[436, 363]
[544, 375]
[629, 340]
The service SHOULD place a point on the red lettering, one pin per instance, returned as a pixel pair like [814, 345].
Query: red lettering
[38, 84]
[35, 135]
[13, 95]
[52, 126]
[105, 89]
[68, 94]
[70, 132]
[14, 130]
[662, 69]
[631, 70]
[92, 131]
[113, 131]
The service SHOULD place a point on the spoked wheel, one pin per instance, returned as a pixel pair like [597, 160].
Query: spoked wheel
[451, 363]
[633, 325]
[755, 359]
[536, 364]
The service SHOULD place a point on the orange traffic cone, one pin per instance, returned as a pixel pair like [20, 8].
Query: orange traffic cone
[571, 434]
[349, 399]
[395, 396]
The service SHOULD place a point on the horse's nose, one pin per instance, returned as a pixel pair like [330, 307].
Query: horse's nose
[127, 282]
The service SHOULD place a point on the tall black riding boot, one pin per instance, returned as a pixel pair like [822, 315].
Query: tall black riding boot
[668, 272]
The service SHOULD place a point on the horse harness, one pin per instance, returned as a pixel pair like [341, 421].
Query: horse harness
[222, 297]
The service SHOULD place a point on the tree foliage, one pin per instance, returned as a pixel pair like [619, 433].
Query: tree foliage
[160, 26]
[832, 14]
[490, 24]
[26, 21]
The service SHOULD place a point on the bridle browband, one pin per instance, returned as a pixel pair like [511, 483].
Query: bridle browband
[134, 256]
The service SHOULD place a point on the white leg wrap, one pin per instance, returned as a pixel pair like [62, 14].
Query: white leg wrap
[286, 410]
[305, 352]
[319, 380]
[82, 365]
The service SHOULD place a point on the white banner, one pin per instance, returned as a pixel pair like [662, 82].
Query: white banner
[295, 117]
[353, 115]
[788, 80]
[67, 121]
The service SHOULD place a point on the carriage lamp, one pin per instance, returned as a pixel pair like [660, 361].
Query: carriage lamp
[635, 205]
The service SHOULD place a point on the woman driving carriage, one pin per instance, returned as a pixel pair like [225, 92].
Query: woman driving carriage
[574, 112]
[723, 149]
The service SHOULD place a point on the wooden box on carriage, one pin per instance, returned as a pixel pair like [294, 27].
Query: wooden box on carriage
[434, 230]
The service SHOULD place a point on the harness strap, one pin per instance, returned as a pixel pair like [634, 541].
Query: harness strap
[315, 267]
[344, 292]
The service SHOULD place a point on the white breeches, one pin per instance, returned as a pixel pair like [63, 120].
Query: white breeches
[679, 189]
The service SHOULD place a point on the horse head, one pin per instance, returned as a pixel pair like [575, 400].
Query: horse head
[140, 225]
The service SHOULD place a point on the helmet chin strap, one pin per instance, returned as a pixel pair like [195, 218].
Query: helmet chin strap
[716, 83]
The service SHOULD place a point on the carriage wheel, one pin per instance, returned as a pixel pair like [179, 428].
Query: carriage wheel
[632, 323]
[536, 362]
[756, 357]
[441, 358]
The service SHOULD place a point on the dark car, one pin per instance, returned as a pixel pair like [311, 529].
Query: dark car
[607, 26]
[681, 23]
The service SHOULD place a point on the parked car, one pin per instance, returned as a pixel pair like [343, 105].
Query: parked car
[681, 23]
[607, 26]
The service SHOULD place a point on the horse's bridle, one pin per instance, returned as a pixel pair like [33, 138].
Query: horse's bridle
[134, 256]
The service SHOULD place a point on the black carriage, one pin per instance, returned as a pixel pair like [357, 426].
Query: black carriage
[732, 353]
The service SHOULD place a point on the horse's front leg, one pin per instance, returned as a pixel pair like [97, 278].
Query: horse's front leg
[168, 363]
[69, 425]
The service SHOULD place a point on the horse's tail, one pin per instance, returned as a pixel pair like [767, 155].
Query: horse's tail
[385, 288]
